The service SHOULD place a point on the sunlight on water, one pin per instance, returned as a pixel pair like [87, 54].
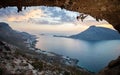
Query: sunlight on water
[91, 55]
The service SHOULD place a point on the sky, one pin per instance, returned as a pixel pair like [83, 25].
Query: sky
[42, 19]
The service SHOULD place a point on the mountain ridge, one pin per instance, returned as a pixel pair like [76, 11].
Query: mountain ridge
[97, 33]
[14, 37]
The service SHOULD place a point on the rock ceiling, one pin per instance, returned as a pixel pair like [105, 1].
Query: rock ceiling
[99, 9]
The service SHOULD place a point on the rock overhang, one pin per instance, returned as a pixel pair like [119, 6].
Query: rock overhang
[99, 9]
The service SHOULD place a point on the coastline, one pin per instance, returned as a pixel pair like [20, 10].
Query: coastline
[52, 57]
[29, 62]
[31, 44]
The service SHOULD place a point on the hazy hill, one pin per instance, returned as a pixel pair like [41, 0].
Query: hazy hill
[11, 36]
[97, 33]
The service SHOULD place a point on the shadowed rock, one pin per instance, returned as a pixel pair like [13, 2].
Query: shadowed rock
[112, 69]
[99, 9]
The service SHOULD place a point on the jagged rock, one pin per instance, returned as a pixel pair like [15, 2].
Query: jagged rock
[99, 9]
[114, 63]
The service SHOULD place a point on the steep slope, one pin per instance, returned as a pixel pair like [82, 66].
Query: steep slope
[11, 36]
[97, 33]
[15, 62]
[4, 27]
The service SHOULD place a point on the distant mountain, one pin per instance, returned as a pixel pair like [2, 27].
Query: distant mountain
[11, 36]
[4, 27]
[97, 33]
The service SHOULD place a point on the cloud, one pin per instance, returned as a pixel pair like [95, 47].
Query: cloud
[38, 15]
[24, 16]
[43, 15]
[64, 15]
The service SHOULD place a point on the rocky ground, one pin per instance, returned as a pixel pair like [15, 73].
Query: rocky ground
[24, 57]
[15, 62]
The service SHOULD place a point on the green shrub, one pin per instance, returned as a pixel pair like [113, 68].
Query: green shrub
[66, 73]
[38, 65]
[1, 71]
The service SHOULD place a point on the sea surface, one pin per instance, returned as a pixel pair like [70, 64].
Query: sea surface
[92, 55]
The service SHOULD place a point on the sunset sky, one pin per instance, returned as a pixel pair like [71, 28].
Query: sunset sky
[43, 19]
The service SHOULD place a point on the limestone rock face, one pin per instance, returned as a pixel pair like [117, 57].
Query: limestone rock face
[112, 69]
[99, 9]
